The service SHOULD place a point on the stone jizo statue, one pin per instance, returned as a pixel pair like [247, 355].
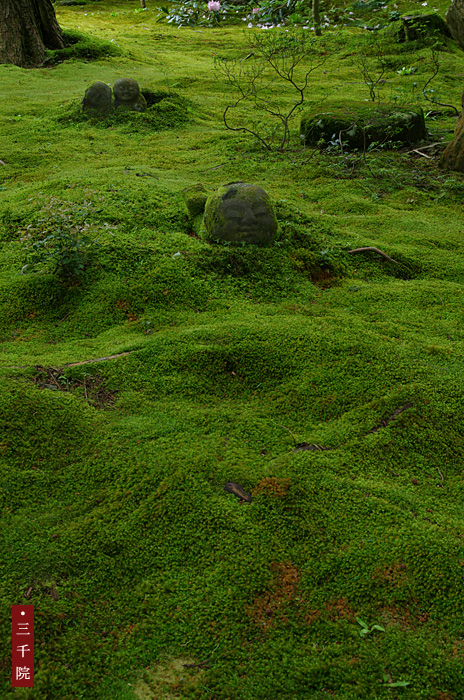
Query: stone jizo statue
[240, 213]
[98, 99]
[127, 96]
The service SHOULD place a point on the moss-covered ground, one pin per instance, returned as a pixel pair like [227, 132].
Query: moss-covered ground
[212, 365]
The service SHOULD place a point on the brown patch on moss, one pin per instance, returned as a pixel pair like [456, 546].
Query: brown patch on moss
[457, 650]
[423, 618]
[392, 616]
[394, 575]
[353, 661]
[270, 606]
[124, 306]
[404, 617]
[321, 272]
[340, 610]
[169, 679]
[273, 487]
[311, 615]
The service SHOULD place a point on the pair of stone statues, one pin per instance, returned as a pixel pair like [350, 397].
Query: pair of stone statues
[98, 97]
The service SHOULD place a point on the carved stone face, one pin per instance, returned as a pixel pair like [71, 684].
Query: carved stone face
[240, 213]
[126, 90]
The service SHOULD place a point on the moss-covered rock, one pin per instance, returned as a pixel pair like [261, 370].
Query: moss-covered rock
[238, 214]
[352, 129]
[419, 26]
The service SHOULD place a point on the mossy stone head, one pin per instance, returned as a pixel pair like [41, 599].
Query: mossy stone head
[97, 97]
[127, 96]
[126, 90]
[240, 213]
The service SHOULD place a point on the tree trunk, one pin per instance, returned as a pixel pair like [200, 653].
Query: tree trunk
[316, 18]
[27, 29]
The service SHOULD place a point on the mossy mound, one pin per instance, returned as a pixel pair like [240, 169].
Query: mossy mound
[195, 198]
[82, 46]
[363, 128]
[66, 427]
[22, 296]
[166, 110]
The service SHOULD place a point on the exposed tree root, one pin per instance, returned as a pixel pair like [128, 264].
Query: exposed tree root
[300, 446]
[371, 249]
[76, 364]
[98, 359]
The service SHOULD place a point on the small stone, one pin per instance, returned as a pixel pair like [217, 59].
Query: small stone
[237, 490]
[97, 99]
[414, 481]
[127, 96]
[238, 214]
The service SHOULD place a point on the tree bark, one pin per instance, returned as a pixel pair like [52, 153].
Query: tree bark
[27, 29]
[316, 18]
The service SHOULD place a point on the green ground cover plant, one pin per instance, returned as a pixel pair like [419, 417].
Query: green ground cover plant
[327, 383]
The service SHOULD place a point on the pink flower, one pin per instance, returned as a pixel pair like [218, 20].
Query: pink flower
[214, 6]
[255, 10]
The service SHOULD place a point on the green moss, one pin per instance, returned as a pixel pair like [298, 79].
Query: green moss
[223, 363]
[195, 199]
[82, 46]
[66, 428]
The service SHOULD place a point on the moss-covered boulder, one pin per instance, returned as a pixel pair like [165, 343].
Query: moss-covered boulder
[455, 21]
[453, 155]
[352, 129]
[417, 26]
[238, 214]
